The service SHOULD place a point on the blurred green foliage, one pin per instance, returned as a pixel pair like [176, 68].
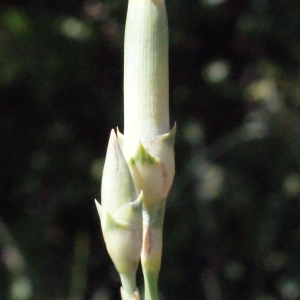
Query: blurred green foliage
[232, 228]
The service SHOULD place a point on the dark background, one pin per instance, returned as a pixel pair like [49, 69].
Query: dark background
[232, 227]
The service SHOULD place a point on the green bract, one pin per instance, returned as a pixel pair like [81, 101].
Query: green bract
[152, 166]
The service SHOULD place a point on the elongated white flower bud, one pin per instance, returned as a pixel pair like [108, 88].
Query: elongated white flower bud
[146, 77]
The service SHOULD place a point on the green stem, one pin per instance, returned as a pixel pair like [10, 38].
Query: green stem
[128, 283]
[151, 284]
[152, 251]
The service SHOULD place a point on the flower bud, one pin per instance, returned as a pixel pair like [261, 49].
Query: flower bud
[121, 215]
[117, 187]
[146, 74]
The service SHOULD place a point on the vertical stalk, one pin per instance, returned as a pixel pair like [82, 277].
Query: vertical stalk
[151, 259]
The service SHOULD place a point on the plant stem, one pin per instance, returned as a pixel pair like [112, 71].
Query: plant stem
[128, 282]
[151, 261]
[152, 251]
[151, 281]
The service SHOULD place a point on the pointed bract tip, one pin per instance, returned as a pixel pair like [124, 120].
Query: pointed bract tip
[120, 135]
[112, 137]
[99, 208]
[174, 127]
[112, 142]
[140, 199]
